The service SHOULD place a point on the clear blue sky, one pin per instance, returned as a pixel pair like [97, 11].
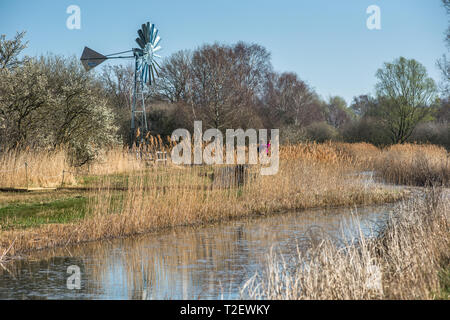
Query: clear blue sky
[326, 42]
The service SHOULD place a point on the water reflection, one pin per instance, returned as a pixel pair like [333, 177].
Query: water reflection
[188, 263]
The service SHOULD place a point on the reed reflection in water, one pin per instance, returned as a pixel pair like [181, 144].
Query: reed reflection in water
[210, 262]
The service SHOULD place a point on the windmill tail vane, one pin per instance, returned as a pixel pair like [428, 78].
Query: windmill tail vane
[146, 68]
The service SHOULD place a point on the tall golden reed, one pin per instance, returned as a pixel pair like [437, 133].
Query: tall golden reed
[167, 196]
[404, 262]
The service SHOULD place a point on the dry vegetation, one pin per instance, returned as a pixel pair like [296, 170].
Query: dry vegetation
[404, 262]
[311, 175]
[406, 258]
[411, 164]
[135, 196]
[34, 169]
[27, 168]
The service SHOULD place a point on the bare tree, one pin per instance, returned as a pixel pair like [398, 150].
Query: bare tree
[446, 4]
[175, 77]
[291, 101]
[443, 63]
[119, 82]
[251, 67]
[220, 83]
[10, 50]
[212, 71]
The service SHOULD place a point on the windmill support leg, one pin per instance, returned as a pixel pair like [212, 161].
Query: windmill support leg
[133, 108]
[138, 113]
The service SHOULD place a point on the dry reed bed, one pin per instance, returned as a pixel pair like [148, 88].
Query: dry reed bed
[21, 169]
[45, 168]
[311, 175]
[34, 169]
[402, 263]
[52, 168]
[417, 165]
[301, 183]
[408, 164]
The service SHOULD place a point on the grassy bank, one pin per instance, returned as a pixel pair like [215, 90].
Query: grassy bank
[409, 260]
[33, 214]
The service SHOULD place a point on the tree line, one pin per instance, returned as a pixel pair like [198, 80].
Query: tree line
[50, 100]
[235, 86]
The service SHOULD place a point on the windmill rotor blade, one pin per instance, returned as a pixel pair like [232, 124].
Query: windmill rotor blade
[155, 36]
[153, 74]
[146, 65]
[157, 40]
[91, 59]
[156, 70]
[149, 27]
[152, 30]
[156, 63]
[149, 75]
[146, 73]
[145, 32]
[141, 35]
[140, 43]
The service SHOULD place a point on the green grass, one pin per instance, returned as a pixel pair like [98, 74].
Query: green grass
[29, 210]
[115, 180]
[444, 279]
[163, 178]
[28, 215]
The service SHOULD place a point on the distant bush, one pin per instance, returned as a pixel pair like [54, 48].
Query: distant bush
[432, 132]
[417, 165]
[292, 135]
[367, 129]
[321, 132]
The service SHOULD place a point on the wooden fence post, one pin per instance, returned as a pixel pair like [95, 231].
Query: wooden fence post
[26, 174]
[62, 181]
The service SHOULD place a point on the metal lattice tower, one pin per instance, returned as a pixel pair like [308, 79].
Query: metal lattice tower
[138, 111]
[144, 74]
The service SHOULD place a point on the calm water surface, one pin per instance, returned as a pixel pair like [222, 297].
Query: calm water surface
[188, 263]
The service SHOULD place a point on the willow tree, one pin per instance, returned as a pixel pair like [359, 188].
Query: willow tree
[406, 94]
